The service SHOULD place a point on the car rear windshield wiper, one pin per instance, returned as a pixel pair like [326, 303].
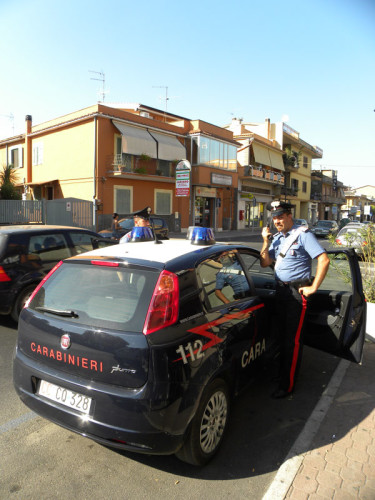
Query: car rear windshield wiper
[58, 312]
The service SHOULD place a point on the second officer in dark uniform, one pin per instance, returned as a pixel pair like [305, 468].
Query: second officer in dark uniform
[292, 250]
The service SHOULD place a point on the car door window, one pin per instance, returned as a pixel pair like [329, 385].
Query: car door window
[49, 247]
[82, 242]
[262, 278]
[338, 276]
[223, 279]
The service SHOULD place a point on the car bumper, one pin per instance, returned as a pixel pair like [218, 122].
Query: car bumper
[119, 418]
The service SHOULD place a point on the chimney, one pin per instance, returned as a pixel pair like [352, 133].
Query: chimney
[28, 148]
[268, 128]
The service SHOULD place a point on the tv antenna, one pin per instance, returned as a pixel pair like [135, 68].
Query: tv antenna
[101, 78]
[166, 98]
[11, 119]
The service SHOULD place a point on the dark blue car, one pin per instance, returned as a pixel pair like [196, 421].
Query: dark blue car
[132, 346]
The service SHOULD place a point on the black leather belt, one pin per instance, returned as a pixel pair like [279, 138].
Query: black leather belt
[295, 284]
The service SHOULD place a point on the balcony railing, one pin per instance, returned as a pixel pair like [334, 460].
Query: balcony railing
[289, 191]
[261, 173]
[333, 199]
[120, 164]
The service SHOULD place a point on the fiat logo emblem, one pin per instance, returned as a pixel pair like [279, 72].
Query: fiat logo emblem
[65, 341]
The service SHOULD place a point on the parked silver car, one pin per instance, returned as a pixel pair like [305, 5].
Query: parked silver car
[356, 236]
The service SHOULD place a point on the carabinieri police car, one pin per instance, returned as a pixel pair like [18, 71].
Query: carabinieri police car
[142, 345]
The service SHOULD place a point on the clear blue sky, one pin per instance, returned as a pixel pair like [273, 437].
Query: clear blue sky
[310, 60]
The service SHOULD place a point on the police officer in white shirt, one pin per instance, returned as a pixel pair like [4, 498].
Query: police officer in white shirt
[292, 249]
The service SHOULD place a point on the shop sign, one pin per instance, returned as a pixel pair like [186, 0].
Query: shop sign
[205, 192]
[248, 196]
[225, 180]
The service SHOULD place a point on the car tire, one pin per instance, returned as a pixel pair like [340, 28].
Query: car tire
[208, 426]
[20, 301]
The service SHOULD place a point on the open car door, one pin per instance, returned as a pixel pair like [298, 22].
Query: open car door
[336, 318]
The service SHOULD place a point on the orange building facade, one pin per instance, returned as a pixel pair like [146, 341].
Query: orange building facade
[124, 157]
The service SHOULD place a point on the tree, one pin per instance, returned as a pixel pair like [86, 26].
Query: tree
[8, 178]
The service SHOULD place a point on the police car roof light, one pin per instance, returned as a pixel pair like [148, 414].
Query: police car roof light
[200, 235]
[139, 234]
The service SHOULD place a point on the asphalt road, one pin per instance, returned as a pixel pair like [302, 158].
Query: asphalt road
[40, 460]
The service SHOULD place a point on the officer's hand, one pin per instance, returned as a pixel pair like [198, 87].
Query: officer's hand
[266, 233]
[306, 291]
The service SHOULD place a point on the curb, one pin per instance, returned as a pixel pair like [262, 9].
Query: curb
[288, 470]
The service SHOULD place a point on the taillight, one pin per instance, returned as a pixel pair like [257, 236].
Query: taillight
[3, 275]
[42, 283]
[163, 308]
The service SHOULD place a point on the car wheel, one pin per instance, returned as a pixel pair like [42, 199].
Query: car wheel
[208, 426]
[21, 300]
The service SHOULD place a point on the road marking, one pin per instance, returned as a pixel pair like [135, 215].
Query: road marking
[12, 424]
[288, 470]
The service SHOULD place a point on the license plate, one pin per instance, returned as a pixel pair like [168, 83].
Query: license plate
[65, 396]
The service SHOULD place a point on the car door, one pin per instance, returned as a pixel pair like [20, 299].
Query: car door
[239, 323]
[336, 317]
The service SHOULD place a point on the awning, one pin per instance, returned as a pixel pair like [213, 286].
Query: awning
[169, 147]
[277, 160]
[136, 141]
[261, 154]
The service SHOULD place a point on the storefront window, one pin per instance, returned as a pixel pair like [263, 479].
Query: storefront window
[216, 153]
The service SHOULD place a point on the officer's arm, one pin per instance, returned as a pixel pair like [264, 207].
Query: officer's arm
[221, 296]
[321, 271]
[265, 259]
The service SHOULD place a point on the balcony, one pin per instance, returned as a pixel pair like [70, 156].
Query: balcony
[337, 200]
[142, 165]
[263, 174]
[316, 196]
[289, 191]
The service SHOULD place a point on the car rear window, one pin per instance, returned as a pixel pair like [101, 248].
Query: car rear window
[100, 296]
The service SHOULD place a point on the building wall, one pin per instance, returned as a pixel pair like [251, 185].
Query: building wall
[68, 155]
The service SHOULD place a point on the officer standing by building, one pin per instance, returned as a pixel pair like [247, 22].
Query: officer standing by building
[292, 249]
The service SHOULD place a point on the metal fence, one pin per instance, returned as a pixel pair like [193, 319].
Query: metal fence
[64, 212]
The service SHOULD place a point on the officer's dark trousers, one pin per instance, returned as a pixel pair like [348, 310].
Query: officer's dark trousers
[291, 310]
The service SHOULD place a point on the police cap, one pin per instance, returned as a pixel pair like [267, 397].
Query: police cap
[279, 207]
[143, 214]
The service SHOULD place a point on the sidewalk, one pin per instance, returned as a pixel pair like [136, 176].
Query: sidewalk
[340, 439]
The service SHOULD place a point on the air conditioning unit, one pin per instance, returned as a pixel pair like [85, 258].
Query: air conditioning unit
[145, 114]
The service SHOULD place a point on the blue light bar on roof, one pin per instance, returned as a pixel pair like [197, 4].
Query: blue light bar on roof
[139, 234]
[200, 235]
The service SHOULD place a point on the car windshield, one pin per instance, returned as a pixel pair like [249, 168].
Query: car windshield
[353, 230]
[325, 223]
[299, 222]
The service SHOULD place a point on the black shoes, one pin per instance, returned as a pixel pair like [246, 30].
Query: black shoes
[280, 393]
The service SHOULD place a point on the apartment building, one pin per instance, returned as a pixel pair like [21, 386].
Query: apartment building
[123, 157]
[285, 158]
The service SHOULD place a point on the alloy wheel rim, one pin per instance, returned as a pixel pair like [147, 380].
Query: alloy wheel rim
[213, 422]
